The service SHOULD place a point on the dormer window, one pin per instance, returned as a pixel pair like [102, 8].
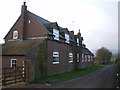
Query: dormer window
[77, 41]
[15, 35]
[67, 38]
[56, 34]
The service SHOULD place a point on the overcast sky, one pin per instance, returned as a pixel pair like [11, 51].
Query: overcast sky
[96, 19]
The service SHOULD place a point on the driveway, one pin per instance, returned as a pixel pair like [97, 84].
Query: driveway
[101, 78]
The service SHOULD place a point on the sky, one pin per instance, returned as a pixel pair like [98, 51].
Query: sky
[96, 19]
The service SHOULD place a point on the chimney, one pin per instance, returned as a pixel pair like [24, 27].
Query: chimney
[71, 35]
[24, 8]
[79, 34]
[23, 16]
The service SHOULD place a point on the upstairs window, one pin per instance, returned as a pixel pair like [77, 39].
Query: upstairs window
[67, 38]
[56, 34]
[78, 58]
[77, 41]
[83, 58]
[55, 57]
[13, 62]
[15, 35]
[70, 57]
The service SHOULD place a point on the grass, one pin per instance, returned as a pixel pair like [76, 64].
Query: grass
[66, 75]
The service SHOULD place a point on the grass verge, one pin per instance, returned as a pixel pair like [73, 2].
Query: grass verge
[66, 75]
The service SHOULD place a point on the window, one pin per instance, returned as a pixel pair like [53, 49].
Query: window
[89, 58]
[77, 41]
[70, 57]
[78, 58]
[55, 57]
[15, 35]
[56, 34]
[83, 58]
[67, 38]
[13, 62]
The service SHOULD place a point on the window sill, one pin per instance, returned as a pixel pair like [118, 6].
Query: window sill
[55, 62]
[70, 61]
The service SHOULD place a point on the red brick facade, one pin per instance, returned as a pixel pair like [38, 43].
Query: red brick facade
[6, 62]
[40, 56]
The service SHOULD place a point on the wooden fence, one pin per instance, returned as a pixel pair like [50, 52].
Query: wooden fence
[13, 75]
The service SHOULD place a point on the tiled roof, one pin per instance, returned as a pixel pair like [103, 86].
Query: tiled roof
[88, 52]
[64, 30]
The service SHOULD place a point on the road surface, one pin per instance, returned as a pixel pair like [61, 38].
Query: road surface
[101, 78]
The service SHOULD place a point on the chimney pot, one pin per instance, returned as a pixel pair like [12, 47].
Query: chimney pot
[24, 3]
[79, 31]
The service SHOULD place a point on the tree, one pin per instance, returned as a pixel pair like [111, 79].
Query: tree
[103, 55]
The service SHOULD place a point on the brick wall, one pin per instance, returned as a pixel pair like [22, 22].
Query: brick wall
[6, 60]
[64, 65]
[38, 57]
[33, 29]
[17, 26]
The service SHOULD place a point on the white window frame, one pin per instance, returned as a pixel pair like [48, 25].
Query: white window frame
[67, 37]
[15, 34]
[56, 34]
[78, 42]
[11, 64]
[70, 57]
[55, 55]
[89, 58]
[78, 57]
[83, 58]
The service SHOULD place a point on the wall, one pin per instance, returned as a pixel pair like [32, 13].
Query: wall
[33, 29]
[6, 60]
[17, 26]
[37, 57]
[64, 65]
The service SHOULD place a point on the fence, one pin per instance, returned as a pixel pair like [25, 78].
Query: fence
[13, 75]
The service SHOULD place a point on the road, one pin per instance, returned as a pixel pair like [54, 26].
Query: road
[101, 78]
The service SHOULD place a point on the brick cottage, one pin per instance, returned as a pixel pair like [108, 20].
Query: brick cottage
[47, 48]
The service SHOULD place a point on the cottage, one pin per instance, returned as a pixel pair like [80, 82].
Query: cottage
[43, 47]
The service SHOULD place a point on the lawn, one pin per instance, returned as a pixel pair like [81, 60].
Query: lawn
[66, 75]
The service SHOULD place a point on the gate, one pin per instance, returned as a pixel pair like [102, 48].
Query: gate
[13, 75]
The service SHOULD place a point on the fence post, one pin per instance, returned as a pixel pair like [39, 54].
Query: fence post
[15, 74]
[24, 70]
[4, 80]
